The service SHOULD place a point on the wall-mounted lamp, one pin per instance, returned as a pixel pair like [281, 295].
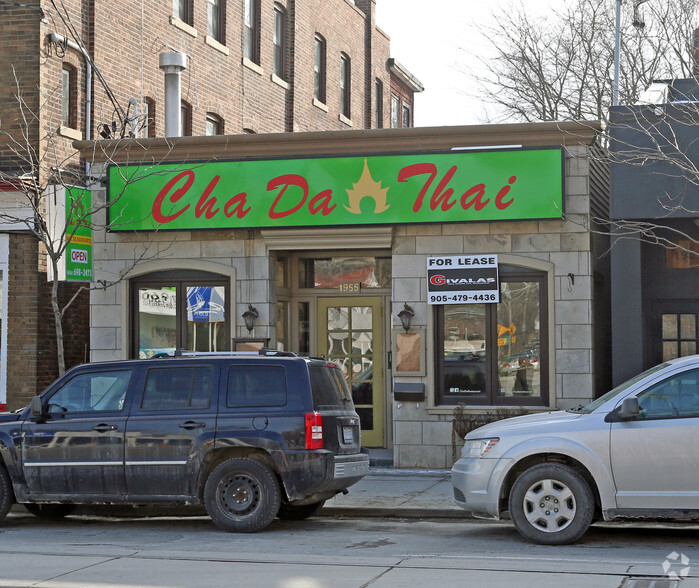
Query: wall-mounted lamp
[406, 315]
[249, 317]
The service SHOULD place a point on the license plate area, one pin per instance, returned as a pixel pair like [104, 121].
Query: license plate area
[348, 434]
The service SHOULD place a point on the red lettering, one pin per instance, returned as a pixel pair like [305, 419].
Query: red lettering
[158, 214]
[321, 203]
[502, 193]
[443, 199]
[285, 181]
[418, 169]
[478, 191]
[206, 204]
[236, 205]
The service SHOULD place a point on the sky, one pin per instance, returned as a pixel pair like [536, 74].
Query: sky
[440, 46]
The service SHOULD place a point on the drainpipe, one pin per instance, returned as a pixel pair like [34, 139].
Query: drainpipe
[172, 65]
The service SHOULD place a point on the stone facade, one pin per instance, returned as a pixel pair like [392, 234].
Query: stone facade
[420, 433]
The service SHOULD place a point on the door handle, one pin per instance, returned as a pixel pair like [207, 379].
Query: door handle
[104, 428]
[189, 425]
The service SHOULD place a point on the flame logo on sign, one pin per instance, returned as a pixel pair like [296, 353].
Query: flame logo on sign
[366, 187]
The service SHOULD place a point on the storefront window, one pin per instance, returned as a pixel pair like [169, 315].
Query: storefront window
[360, 272]
[491, 353]
[171, 314]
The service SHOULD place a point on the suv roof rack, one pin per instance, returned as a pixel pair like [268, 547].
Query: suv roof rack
[183, 353]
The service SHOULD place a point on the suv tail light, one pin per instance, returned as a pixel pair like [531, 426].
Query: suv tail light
[314, 430]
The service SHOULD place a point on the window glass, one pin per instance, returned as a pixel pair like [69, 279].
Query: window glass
[279, 40]
[282, 325]
[157, 320]
[98, 391]
[304, 328]
[465, 329]
[677, 396]
[172, 313]
[518, 336]
[250, 33]
[329, 387]
[180, 9]
[407, 120]
[149, 117]
[378, 104]
[206, 318]
[368, 272]
[319, 69]
[395, 111]
[67, 98]
[491, 353]
[679, 334]
[214, 19]
[173, 388]
[256, 385]
[186, 119]
[345, 87]
[214, 125]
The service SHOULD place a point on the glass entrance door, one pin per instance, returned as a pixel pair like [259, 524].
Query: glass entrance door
[350, 334]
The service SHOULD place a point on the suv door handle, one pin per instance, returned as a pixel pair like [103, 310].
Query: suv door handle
[189, 425]
[103, 428]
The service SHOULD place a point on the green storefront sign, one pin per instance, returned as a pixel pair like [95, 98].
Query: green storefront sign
[78, 254]
[458, 186]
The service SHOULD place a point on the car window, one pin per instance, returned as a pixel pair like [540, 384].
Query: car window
[256, 385]
[91, 392]
[329, 387]
[173, 388]
[677, 396]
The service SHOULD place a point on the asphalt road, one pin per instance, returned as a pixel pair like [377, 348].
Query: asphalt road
[93, 552]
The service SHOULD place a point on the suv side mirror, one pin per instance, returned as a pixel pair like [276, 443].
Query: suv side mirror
[37, 411]
[629, 408]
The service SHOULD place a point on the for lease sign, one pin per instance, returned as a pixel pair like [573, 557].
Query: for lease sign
[462, 279]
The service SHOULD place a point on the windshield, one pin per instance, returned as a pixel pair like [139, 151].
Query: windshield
[595, 404]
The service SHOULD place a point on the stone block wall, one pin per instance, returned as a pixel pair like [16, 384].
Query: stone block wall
[423, 431]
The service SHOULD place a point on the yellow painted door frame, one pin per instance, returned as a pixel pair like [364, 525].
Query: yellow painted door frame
[350, 332]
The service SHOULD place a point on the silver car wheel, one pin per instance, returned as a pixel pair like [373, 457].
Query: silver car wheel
[549, 506]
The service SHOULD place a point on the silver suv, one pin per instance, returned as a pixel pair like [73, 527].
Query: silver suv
[631, 453]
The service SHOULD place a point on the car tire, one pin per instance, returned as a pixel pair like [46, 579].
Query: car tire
[291, 512]
[242, 495]
[50, 511]
[551, 504]
[7, 497]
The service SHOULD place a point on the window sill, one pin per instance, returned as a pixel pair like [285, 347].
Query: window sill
[253, 66]
[318, 104]
[277, 80]
[343, 119]
[70, 133]
[183, 26]
[214, 44]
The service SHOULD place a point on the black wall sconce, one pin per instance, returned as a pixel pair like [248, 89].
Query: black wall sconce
[249, 317]
[406, 316]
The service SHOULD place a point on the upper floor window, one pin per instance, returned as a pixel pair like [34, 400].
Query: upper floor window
[149, 117]
[186, 119]
[378, 104]
[68, 98]
[214, 124]
[279, 41]
[407, 116]
[319, 70]
[182, 9]
[251, 34]
[345, 85]
[215, 20]
[395, 111]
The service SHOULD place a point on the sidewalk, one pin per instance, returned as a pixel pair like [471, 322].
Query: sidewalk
[398, 493]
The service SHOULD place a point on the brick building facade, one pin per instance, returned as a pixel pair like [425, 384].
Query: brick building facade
[251, 68]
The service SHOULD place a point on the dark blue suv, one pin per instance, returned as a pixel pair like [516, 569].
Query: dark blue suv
[252, 437]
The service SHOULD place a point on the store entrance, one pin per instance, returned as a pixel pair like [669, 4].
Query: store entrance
[350, 333]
